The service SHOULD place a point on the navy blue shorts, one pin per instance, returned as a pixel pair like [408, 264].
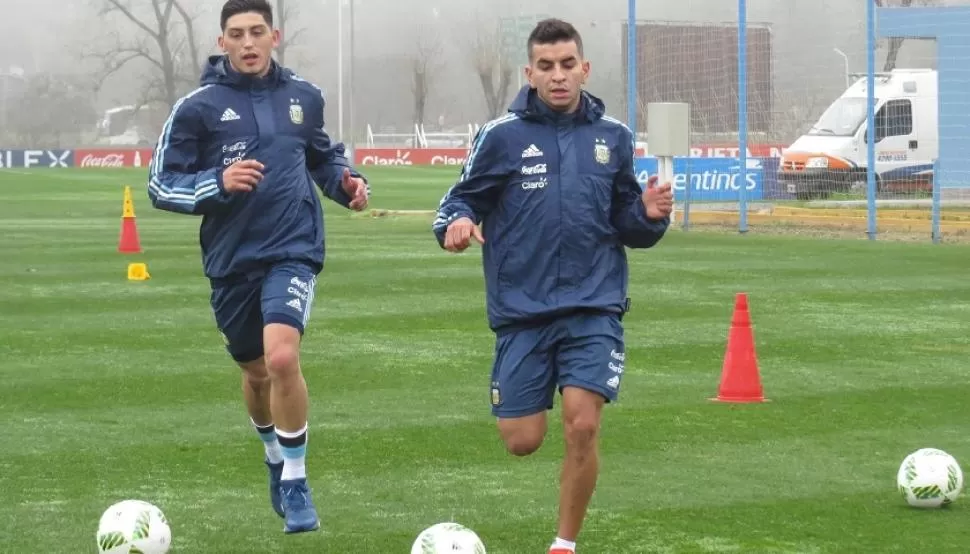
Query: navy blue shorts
[281, 294]
[582, 350]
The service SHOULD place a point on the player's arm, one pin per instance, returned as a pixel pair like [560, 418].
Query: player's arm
[327, 161]
[629, 215]
[479, 186]
[174, 182]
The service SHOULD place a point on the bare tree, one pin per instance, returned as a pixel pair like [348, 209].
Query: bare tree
[165, 41]
[286, 13]
[51, 110]
[896, 43]
[195, 60]
[495, 71]
[425, 64]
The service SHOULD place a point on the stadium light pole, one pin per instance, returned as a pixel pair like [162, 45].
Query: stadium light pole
[340, 69]
[631, 62]
[350, 107]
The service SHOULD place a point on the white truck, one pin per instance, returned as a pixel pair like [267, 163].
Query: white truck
[831, 156]
[129, 126]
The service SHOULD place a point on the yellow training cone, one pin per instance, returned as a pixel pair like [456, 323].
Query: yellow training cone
[138, 272]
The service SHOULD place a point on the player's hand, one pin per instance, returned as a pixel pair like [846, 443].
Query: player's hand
[242, 176]
[356, 189]
[658, 200]
[460, 233]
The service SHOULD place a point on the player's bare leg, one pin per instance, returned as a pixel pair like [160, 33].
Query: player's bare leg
[288, 404]
[256, 389]
[288, 398]
[581, 419]
[256, 393]
[523, 435]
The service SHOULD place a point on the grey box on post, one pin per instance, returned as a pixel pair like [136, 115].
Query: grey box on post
[668, 129]
[668, 135]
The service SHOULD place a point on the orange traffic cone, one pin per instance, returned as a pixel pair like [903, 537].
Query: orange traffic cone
[128, 242]
[740, 378]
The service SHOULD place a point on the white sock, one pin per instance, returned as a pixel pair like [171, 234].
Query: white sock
[563, 543]
[293, 446]
[267, 434]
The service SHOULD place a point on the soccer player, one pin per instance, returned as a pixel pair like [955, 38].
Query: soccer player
[244, 151]
[553, 186]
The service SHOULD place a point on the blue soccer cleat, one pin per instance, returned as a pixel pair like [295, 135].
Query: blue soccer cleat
[275, 496]
[300, 514]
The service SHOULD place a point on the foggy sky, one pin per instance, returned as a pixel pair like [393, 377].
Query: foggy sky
[52, 35]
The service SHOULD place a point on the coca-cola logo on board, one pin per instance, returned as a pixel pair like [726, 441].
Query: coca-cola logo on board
[110, 160]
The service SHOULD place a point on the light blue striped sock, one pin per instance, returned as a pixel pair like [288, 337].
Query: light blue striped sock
[267, 434]
[293, 446]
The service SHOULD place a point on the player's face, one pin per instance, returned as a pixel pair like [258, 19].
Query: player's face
[249, 42]
[558, 73]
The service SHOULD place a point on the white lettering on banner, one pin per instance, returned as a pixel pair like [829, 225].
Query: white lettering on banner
[711, 180]
[715, 180]
[110, 160]
[400, 159]
[446, 160]
[33, 158]
[59, 161]
[759, 151]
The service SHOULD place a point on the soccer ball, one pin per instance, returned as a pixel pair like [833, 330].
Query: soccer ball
[929, 478]
[133, 526]
[448, 538]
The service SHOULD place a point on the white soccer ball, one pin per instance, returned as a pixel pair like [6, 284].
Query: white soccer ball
[448, 538]
[133, 526]
[929, 478]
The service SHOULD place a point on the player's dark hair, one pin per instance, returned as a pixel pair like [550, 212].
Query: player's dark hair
[551, 31]
[236, 7]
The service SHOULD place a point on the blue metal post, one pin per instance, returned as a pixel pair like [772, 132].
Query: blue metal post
[871, 117]
[743, 115]
[631, 63]
[687, 188]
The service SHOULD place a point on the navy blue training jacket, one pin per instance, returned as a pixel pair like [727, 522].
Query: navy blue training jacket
[558, 200]
[276, 120]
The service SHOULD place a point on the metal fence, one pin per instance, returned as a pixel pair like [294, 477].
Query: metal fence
[783, 96]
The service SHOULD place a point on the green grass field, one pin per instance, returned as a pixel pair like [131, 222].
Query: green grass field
[114, 389]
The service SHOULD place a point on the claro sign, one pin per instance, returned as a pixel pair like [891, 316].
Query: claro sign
[456, 156]
[410, 156]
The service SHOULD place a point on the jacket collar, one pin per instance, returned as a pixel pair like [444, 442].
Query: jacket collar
[528, 105]
[218, 70]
